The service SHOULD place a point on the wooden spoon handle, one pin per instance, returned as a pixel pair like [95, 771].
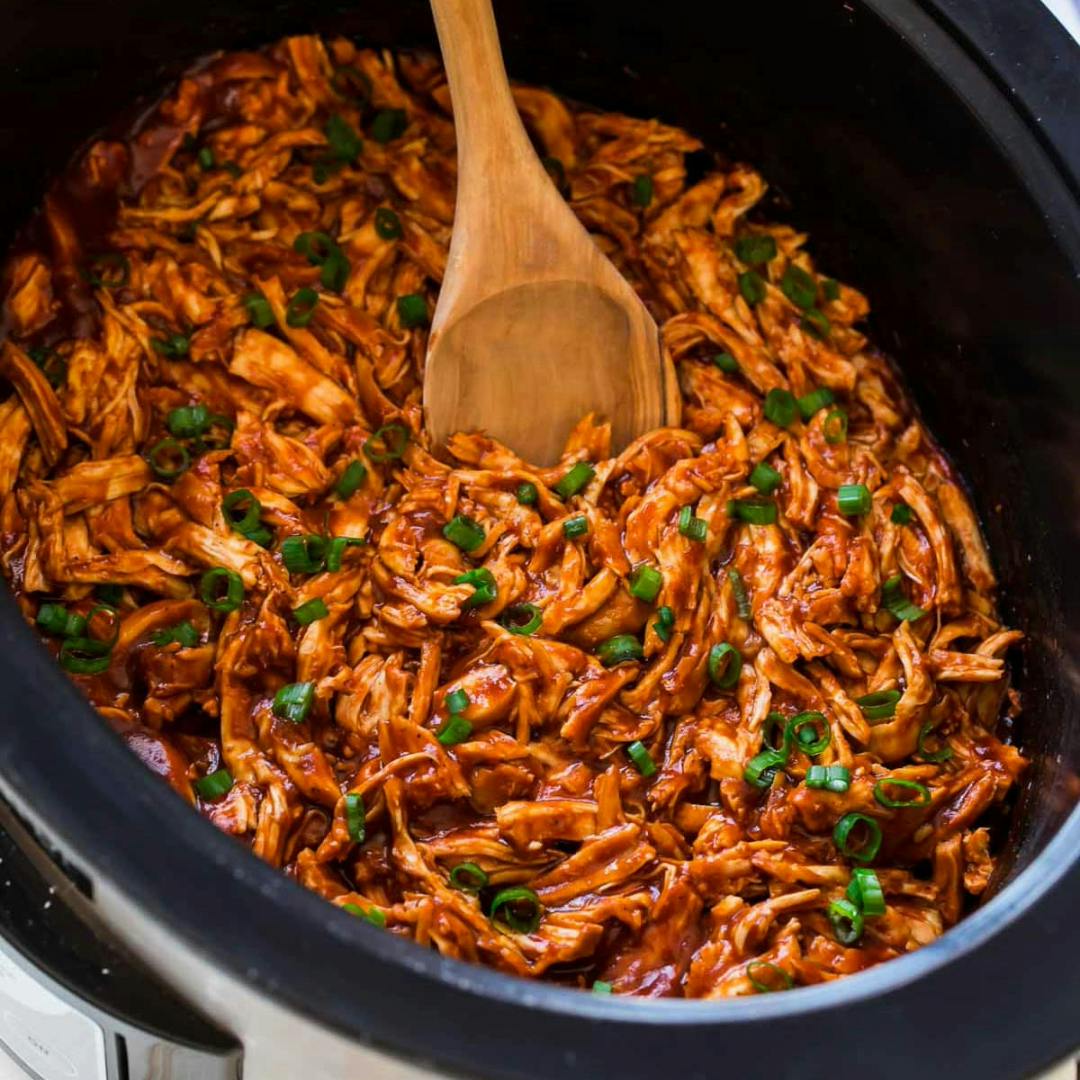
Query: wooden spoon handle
[495, 157]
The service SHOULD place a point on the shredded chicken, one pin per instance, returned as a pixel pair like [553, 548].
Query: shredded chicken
[416, 677]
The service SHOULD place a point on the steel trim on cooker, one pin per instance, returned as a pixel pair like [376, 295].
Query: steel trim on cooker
[223, 918]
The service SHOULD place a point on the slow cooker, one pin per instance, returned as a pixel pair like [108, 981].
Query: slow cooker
[933, 151]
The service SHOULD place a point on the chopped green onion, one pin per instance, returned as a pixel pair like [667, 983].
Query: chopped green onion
[897, 604]
[53, 365]
[85, 656]
[335, 272]
[870, 845]
[387, 224]
[854, 499]
[457, 701]
[355, 817]
[641, 758]
[752, 511]
[56, 619]
[168, 459]
[483, 583]
[575, 526]
[865, 892]
[776, 721]
[301, 308]
[752, 287]
[110, 270]
[174, 346]
[769, 978]
[412, 310]
[830, 289]
[456, 730]
[815, 400]
[765, 478]
[522, 619]
[293, 702]
[214, 785]
[726, 363]
[527, 494]
[249, 520]
[575, 480]
[761, 768]
[373, 915]
[738, 590]
[933, 756]
[387, 444]
[188, 421]
[816, 322]
[902, 514]
[463, 532]
[618, 649]
[880, 705]
[645, 583]
[693, 528]
[601, 987]
[303, 554]
[725, 665]
[520, 909]
[835, 427]
[109, 594]
[468, 877]
[350, 480]
[665, 621]
[780, 406]
[183, 633]
[205, 158]
[312, 611]
[317, 247]
[755, 249]
[335, 550]
[828, 778]
[388, 125]
[798, 286]
[847, 921]
[345, 144]
[641, 191]
[803, 722]
[921, 796]
[210, 589]
[260, 313]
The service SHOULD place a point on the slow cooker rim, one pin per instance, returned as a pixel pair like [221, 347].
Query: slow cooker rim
[24, 775]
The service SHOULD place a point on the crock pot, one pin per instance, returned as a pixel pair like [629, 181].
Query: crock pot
[932, 150]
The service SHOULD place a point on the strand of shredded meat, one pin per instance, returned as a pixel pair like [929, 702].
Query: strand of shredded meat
[162, 274]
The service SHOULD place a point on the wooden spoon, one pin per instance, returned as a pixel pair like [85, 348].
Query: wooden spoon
[534, 327]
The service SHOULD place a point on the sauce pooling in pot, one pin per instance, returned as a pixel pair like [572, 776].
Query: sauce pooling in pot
[712, 716]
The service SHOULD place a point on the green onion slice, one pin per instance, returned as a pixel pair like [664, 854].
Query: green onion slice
[752, 287]
[847, 921]
[815, 401]
[335, 272]
[301, 308]
[483, 583]
[527, 494]
[619, 649]
[293, 702]
[312, 611]
[933, 756]
[518, 907]
[902, 514]
[523, 619]
[468, 877]
[463, 532]
[865, 892]
[303, 554]
[387, 444]
[761, 768]
[802, 731]
[387, 224]
[85, 656]
[56, 619]
[214, 785]
[830, 289]
[738, 590]
[780, 406]
[755, 249]
[798, 286]
[725, 665]
[260, 313]
[642, 759]
[183, 633]
[816, 322]
[850, 846]
[693, 528]
[835, 778]
[641, 191]
[345, 144]
[249, 507]
[53, 365]
[853, 499]
[168, 459]
[575, 526]
[601, 987]
[221, 589]
[726, 363]
[456, 730]
[575, 480]
[880, 705]
[412, 311]
[335, 550]
[174, 346]
[768, 978]
[665, 621]
[765, 478]
[351, 478]
[646, 583]
[457, 701]
[205, 158]
[919, 798]
[316, 247]
[372, 915]
[388, 125]
[897, 604]
[753, 511]
[355, 816]
[189, 421]
[835, 427]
